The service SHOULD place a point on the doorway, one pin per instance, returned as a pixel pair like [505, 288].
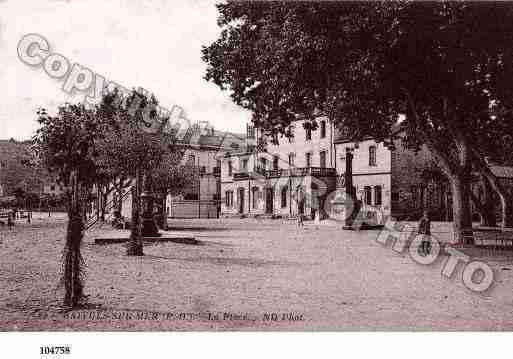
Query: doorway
[269, 200]
[241, 200]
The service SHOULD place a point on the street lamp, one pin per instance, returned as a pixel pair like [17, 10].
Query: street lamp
[149, 228]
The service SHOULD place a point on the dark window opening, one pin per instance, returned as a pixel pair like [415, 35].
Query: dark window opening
[323, 129]
[378, 200]
[308, 160]
[367, 195]
[322, 159]
[284, 197]
[372, 156]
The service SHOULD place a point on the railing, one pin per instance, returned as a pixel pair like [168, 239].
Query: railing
[291, 172]
[240, 175]
[303, 171]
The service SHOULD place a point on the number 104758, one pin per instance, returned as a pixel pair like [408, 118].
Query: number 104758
[51, 350]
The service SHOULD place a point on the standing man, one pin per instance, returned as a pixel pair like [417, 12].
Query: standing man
[425, 231]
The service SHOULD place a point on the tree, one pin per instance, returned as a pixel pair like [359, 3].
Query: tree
[19, 171]
[361, 64]
[128, 151]
[171, 177]
[66, 145]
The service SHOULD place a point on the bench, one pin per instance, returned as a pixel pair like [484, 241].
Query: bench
[495, 240]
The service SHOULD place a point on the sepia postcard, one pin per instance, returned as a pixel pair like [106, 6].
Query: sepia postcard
[255, 166]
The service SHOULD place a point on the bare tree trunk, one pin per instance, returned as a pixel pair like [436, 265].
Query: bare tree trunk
[135, 246]
[486, 206]
[105, 196]
[462, 214]
[490, 216]
[119, 204]
[505, 197]
[72, 258]
[508, 215]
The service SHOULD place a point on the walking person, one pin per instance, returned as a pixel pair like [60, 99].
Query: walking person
[300, 220]
[425, 231]
[10, 221]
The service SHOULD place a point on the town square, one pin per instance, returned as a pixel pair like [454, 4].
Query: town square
[256, 166]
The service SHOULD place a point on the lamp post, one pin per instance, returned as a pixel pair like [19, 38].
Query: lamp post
[149, 227]
[350, 200]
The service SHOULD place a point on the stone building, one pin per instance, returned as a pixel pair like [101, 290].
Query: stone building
[301, 175]
[203, 149]
[293, 175]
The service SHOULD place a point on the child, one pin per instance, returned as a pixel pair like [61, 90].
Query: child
[425, 231]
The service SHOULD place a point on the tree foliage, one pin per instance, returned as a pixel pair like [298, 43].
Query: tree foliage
[446, 65]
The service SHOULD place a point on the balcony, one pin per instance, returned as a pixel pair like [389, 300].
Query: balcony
[292, 172]
[302, 171]
[240, 176]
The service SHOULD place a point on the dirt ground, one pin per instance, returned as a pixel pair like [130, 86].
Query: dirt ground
[246, 275]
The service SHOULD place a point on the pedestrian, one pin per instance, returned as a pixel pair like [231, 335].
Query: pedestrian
[300, 220]
[425, 231]
[10, 220]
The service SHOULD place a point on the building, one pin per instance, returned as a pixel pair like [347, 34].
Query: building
[203, 148]
[302, 174]
[292, 175]
[52, 188]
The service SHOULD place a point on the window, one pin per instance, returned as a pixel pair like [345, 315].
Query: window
[263, 163]
[395, 196]
[275, 163]
[245, 164]
[372, 156]
[250, 131]
[284, 197]
[414, 197]
[52, 188]
[275, 140]
[308, 159]
[229, 198]
[192, 160]
[230, 168]
[323, 129]
[254, 197]
[322, 159]
[367, 193]
[308, 133]
[292, 157]
[378, 195]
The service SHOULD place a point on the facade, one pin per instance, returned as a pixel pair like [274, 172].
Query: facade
[301, 175]
[204, 147]
[396, 181]
[293, 175]
[51, 187]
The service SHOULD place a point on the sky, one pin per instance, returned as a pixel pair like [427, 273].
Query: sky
[154, 44]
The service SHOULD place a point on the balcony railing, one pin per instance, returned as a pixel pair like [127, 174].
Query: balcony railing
[291, 172]
[240, 175]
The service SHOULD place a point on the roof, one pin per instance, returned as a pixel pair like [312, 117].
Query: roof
[502, 171]
[226, 141]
